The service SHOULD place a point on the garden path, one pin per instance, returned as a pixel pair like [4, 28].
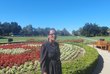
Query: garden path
[103, 66]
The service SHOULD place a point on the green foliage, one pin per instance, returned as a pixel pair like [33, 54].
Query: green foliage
[10, 40]
[7, 29]
[92, 29]
[13, 29]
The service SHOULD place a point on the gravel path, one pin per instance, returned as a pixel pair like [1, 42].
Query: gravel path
[103, 66]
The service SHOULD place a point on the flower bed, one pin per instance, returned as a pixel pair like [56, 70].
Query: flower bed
[74, 40]
[82, 65]
[10, 57]
[23, 58]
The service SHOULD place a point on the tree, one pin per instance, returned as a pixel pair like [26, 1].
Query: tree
[65, 32]
[27, 31]
[103, 31]
[15, 28]
[90, 29]
[59, 32]
[108, 30]
[6, 28]
[76, 33]
[1, 29]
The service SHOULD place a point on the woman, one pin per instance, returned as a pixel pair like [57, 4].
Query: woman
[50, 55]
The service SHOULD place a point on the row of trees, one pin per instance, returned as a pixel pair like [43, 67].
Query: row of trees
[89, 29]
[92, 29]
[30, 31]
[7, 29]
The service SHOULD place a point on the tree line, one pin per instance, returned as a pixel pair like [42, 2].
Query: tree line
[14, 29]
[92, 29]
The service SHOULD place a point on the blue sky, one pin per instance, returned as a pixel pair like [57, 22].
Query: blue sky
[59, 14]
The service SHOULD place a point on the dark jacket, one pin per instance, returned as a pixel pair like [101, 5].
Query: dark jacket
[50, 58]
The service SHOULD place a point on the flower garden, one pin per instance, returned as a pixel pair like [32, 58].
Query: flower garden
[15, 58]
[23, 58]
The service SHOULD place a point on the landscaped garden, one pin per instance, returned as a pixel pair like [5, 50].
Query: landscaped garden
[23, 57]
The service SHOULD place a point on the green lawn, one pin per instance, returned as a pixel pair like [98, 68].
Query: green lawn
[22, 39]
[107, 38]
[37, 38]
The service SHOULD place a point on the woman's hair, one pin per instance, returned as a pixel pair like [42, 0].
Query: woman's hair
[54, 31]
[51, 30]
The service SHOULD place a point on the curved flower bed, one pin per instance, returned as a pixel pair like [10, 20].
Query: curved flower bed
[82, 65]
[69, 52]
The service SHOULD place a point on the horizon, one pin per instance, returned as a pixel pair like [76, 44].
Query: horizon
[58, 14]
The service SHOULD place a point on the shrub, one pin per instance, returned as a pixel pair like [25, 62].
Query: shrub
[10, 40]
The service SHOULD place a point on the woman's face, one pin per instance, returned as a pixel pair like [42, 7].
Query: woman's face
[52, 35]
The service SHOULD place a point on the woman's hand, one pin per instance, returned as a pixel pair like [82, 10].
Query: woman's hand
[44, 73]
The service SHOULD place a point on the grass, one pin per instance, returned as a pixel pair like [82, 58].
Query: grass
[107, 38]
[23, 39]
[37, 38]
[89, 40]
